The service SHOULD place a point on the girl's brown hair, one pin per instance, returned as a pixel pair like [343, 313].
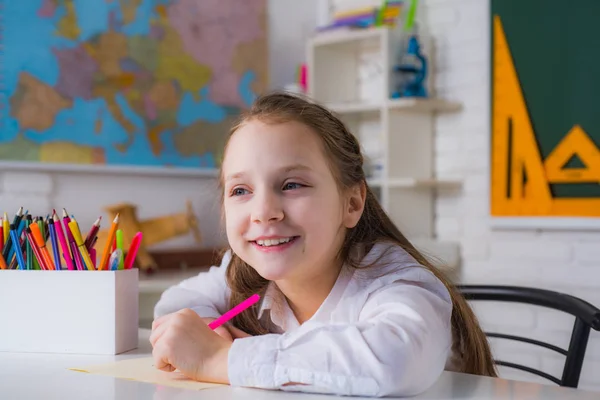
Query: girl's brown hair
[470, 346]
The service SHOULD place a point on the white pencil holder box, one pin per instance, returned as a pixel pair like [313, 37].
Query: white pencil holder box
[80, 312]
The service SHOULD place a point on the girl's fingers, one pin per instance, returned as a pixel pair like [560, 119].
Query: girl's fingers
[160, 320]
[157, 333]
[224, 333]
[161, 361]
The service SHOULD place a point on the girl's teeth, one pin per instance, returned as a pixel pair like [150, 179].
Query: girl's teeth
[272, 242]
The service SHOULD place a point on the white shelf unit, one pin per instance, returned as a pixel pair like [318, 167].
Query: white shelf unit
[402, 129]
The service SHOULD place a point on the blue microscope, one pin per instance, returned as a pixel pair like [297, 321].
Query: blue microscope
[412, 70]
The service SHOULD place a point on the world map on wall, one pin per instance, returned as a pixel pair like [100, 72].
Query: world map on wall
[128, 82]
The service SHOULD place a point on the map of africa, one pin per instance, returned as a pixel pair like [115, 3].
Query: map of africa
[128, 82]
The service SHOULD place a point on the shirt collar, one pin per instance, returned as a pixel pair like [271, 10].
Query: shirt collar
[275, 304]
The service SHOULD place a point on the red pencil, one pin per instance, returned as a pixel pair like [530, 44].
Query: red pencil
[92, 233]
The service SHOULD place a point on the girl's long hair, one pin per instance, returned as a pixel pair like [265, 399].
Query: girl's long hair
[470, 345]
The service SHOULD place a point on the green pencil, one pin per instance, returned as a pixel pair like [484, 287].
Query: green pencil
[120, 246]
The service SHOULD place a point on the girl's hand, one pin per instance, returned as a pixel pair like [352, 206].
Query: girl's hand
[227, 331]
[183, 341]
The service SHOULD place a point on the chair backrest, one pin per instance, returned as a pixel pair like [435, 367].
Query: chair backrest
[586, 317]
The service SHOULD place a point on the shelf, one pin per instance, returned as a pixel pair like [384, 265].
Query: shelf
[423, 105]
[348, 35]
[404, 104]
[398, 133]
[415, 183]
[354, 108]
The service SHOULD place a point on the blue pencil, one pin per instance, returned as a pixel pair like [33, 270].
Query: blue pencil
[17, 245]
[11, 253]
[54, 241]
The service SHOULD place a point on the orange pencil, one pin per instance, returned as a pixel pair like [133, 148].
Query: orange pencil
[41, 244]
[109, 240]
[2, 263]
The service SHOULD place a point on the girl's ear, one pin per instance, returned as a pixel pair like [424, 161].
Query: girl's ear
[354, 204]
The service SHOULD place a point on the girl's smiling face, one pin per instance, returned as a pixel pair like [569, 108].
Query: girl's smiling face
[284, 213]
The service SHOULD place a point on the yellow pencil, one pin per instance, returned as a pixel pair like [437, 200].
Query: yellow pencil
[109, 241]
[6, 227]
[80, 244]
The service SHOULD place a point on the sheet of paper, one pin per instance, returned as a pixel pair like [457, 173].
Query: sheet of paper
[143, 370]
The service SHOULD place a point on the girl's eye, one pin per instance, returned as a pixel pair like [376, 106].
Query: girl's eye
[292, 185]
[238, 191]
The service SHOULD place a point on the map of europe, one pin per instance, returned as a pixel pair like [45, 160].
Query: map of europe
[128, 82]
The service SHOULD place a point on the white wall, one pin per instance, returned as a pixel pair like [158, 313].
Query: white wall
[84, 194]
[567, 261]
[290, 23]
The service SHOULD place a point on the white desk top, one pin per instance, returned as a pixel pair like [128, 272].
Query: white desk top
[26, 376]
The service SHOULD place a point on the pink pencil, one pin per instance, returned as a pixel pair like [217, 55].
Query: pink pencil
[234, 311]
[66, 251]
[77, 257]
[133, 249]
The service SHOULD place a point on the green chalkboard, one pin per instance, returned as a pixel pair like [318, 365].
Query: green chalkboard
[555, 45]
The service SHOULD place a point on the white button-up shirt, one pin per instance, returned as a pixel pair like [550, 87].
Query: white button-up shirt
[383, 330]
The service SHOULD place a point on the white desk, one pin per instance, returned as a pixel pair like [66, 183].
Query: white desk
[45, 376]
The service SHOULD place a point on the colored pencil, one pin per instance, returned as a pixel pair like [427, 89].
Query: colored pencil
[54, 243]
[109, 240]
[31, 244]
[5, 228]
[17, 246]
[80, 244]
[28, 250]
[119, 240]
[34, 248]
[92, 233]
[66, 221]
[22, 245]
[77, 257]
[234, 311]
[16, 222]
[41, 244]
[66, 250]
[2, 263]
[93, 256]
[1, 235]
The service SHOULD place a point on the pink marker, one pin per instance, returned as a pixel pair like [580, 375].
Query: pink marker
[133, 249]
[234, 311]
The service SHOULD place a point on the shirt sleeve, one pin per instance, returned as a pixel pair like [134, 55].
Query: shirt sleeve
[207, 293]
[398, 347]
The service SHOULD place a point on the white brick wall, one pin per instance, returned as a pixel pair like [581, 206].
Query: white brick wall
[567, 261]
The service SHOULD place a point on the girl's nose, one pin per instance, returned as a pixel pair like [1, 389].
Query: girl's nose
[267, 208]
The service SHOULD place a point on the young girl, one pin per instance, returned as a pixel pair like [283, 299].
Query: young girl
[348, 306]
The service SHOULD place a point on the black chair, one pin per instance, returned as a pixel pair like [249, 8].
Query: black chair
[586, 317]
